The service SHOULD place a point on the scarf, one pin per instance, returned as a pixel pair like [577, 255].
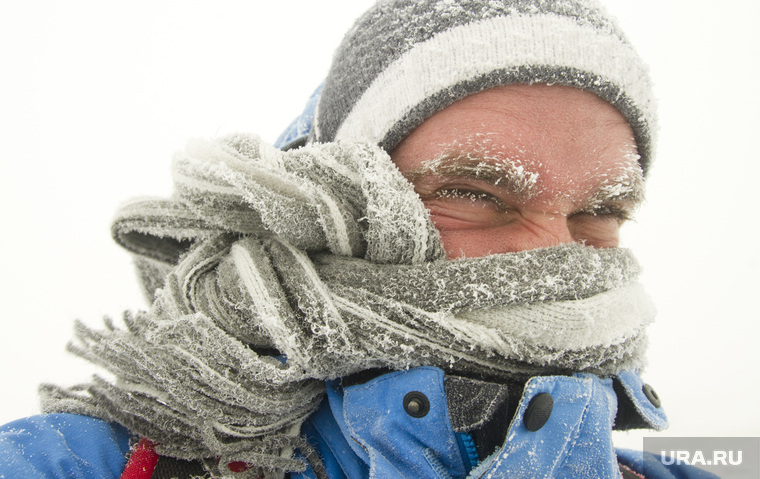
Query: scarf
[272, 272]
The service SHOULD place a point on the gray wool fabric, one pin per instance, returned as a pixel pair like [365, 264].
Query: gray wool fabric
[287, 269]
[404, 60]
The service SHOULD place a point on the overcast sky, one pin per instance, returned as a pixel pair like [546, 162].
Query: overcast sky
[95, 96]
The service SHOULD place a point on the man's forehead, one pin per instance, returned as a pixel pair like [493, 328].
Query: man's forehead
[523, 118]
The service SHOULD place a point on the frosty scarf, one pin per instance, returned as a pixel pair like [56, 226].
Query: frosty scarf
[286, 269]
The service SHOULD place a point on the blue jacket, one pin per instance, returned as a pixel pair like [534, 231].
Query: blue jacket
[562, 428]
[399, 425]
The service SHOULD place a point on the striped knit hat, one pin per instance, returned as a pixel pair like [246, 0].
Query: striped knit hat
[404, 60]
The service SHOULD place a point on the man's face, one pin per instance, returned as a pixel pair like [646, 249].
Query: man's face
[522, 167]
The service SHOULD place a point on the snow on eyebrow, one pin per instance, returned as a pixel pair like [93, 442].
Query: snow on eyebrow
[626, 185]
[510, 175]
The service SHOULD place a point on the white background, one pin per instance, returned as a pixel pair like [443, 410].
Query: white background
[95, 96]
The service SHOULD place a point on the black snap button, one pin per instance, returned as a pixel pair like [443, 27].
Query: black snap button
[651, 395]
[416, 404]
[538, 411]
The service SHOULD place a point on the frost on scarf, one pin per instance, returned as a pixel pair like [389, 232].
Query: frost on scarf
[286, 269]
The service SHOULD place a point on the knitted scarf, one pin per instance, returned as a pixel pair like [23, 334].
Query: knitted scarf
[273, 271]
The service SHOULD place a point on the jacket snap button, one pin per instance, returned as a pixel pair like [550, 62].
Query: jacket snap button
[651, 395]
[416, 404]
[538, 411]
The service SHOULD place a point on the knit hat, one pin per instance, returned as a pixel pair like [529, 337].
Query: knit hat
[404, 60]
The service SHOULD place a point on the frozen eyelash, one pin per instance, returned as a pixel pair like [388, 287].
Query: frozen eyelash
[468, 194]
[457, 193]
[621, 214]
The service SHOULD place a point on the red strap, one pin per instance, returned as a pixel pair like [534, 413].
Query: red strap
[142, 462]
[238, 466]
[628, 473]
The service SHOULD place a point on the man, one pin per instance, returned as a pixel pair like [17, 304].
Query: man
[422, 282]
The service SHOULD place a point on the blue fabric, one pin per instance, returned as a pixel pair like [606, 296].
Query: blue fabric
[378, 433]
[301, 126]
[62, 446]
[576, 440]
[323, 432]
[398, 444]
[363, 431]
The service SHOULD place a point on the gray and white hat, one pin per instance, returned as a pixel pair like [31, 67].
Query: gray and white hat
[404, 60]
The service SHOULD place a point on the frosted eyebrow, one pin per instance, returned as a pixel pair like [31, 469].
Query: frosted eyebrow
[512, 177]
[627, 187]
